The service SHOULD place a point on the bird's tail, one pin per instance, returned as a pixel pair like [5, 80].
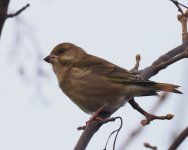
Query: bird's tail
[147, 88]
[167, 87]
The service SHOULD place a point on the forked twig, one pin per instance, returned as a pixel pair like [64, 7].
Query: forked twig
[178, 6]
[161, 63]
[17, 12]
[139, 129]
[149, 117]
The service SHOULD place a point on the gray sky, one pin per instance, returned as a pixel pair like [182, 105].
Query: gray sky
[115, 30]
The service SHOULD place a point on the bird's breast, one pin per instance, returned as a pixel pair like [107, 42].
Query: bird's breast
[90, 92]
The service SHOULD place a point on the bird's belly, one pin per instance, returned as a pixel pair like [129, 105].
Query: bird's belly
[90, 96]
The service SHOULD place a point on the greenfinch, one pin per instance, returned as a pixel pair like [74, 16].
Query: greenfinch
[92, 82]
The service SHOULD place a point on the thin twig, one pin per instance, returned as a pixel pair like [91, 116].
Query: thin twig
[182, 5]
[17, 12]
[179, 139]
[135, 69]
[3, 12]
[132, 102]
[176, 58]
[102, 121]
[149, 117]
[147, 145]
[148, 72]
[139, 129]
[154, 68]
[183, 20]
[177, 5]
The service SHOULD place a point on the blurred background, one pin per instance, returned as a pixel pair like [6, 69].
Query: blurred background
[36, 115]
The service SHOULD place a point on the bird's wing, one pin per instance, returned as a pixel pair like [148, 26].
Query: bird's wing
[106, 69]
[119, 75]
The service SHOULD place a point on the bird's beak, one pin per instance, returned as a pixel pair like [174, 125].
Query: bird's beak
[47, 59]
[51, 59]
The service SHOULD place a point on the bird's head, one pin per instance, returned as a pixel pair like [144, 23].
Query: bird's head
[65, 53]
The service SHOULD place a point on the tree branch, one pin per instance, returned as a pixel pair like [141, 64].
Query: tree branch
[3, 12]
[162, 62]
[91, 128]
[147, 145]
[138, 130]
[148, 72]
[177, 5]
[149, 117]
[18, 12]
[183, 20]
[179, 139]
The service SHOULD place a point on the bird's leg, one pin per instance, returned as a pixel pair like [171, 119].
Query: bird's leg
[95, 115]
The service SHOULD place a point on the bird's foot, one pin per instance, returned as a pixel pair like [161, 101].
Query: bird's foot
[96, 114]
[100, 120]
[95, 117]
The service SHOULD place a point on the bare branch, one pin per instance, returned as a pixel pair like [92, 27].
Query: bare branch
[135, 69]
[183, 5]
[102, 121]
[17, 12]
[183, 20]
[148, 72]
[179, 139]
[149, 117]
[162, 62]
[3, 12]
[89, 131]
[152, 70]
[138, 130]
[91, 128]
[177, 5]
[147, 145]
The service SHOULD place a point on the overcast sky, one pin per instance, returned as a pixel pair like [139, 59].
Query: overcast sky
[36, 115]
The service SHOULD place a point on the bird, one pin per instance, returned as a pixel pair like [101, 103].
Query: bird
[97, 85]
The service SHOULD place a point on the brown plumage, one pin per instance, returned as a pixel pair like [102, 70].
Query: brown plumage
[91, 82]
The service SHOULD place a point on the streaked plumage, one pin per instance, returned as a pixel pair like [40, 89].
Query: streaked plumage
[91, 82]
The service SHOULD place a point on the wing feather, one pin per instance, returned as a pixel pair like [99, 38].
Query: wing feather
[106, 69]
